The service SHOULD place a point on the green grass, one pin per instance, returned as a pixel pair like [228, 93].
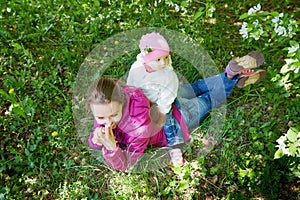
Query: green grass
[42, 46]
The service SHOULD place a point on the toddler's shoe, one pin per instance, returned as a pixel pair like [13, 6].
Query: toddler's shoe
[248, 77]
[176, 157]
[238, 65]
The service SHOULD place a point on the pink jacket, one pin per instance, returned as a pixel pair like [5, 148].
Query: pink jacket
[135, 131]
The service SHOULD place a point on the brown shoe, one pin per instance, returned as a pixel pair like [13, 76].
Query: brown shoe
[251, 60]
[251, 77]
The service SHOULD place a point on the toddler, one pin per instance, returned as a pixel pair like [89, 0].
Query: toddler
[152, 72]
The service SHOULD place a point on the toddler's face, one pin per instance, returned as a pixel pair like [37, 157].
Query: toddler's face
[160, 63]
[108, 114]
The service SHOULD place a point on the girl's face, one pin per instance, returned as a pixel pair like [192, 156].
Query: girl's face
[160, 63]
[108, 114]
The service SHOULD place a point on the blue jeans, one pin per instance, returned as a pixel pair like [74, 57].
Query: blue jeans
[195, 101]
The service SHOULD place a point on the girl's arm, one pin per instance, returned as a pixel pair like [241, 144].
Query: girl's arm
[137, 133]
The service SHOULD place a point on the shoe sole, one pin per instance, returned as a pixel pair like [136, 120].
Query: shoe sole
[251, 79]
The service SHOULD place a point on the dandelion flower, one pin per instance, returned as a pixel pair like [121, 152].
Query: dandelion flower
[54, 134]
[11, 91]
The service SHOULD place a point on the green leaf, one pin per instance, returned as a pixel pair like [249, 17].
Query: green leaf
[278, 154]
[3, 93]
[13, 150]
[183, 184]
[243, 16]
[294, 43]
[275, 14]
[292, 135]
[96, 3]
[243, 172]
[18, 111]
[199, 13]
[184, 3]
[293, 150]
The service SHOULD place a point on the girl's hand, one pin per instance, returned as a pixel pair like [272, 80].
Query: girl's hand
[104, 136]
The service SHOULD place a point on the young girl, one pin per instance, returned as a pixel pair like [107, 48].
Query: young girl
[123, 127]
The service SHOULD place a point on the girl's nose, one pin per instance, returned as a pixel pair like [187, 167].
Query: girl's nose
[108, 121]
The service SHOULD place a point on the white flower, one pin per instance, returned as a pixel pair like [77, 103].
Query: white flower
[293, 48]
[251, 11]
[281, 145]
[155, 3]
[280, 30]
[256, 23]
[176, 8]
[8, 10]
[281, 141]
[211, 11]
[275, 20]
[286, 152]
[281, 15]
[169, 3]
[256, 35]
[244, 31]
[292, 24]
[254, 9]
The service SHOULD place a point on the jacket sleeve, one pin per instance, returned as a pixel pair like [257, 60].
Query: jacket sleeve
[138, 133]
[119, 159]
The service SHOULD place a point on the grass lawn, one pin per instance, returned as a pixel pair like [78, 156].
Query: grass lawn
[42, 47]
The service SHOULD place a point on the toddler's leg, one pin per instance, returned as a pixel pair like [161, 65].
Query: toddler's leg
[194, 110]
[174, 137]
[218, 86]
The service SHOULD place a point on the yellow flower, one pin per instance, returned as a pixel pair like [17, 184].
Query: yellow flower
[54, 134]
[11, 91]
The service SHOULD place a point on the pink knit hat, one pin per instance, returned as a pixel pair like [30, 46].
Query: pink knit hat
[153, 46]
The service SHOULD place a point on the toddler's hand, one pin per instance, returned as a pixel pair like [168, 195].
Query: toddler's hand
[158, 118]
